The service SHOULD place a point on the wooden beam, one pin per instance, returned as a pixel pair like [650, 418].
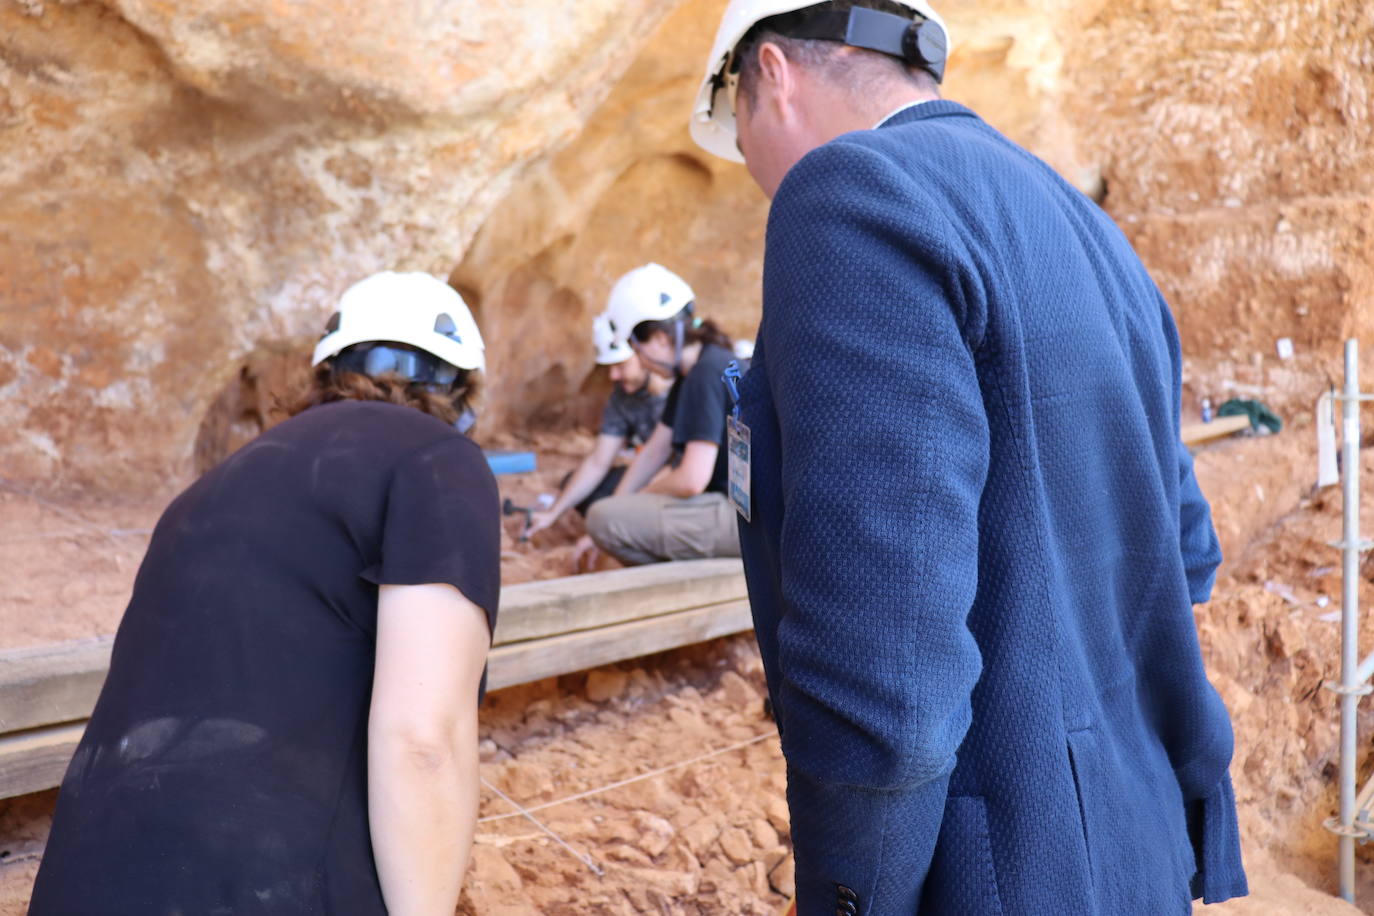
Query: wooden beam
[1198, 433]
[546, 628]
[60, 683]
[537, 610]
[37, 760]
[52, 684]
[520, 663]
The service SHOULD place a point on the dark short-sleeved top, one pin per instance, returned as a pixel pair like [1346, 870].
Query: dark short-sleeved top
[223, 770]
[696, 409]
[631, 416]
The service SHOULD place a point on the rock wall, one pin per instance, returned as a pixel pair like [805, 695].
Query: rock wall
[1236, 143]
[187, 186]
[181, 182]
[631, 188]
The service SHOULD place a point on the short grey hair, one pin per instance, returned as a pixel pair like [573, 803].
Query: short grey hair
[823, 57]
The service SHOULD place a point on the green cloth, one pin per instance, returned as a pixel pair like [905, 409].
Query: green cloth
[1259, 414]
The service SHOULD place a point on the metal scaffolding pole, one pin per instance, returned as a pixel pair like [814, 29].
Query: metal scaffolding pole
[1354, 823]
[1352, 686]
[1350, 609]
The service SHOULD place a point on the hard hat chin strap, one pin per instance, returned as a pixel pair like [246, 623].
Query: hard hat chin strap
[673, 368]
[677, 348]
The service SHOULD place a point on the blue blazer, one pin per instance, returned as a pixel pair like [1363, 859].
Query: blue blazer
[976, 543]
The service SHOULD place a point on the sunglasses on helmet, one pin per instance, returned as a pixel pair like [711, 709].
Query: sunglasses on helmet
[377, 359]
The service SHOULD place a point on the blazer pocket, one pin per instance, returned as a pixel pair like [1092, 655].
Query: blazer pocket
[1151, 872]
[963, 876]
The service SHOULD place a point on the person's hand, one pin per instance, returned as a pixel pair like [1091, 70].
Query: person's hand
[585, 554]
[541, 520]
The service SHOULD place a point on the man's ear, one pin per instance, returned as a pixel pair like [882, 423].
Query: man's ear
[776, 71]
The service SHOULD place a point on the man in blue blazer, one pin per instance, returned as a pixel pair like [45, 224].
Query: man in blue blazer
[974, 539]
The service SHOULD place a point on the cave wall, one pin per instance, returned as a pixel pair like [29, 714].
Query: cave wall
[181, 182]
[1237, 145]
[184, 186]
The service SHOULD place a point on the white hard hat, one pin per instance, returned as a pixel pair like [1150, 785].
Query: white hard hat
[648, 293]
[713, 122]
[407, 308]
[609, 351]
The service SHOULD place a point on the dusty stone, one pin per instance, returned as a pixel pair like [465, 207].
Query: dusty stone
[677, 884]
[779, 817]
[526, 783]
[756, 876]
[739, 692]
[655, 833]
[687, 719]
[771, 858]
[763, 835]
[625, 853]
[490, 873]
[783, 877]
[736, 845]
[606, 684]
[701, 835]
[650, 795]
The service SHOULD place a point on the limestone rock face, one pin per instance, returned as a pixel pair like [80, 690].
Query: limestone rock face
[631, 188]
[183, 182]
[187, 185]
[1236, 149]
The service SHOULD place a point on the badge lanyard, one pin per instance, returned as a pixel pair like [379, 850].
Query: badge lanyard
[738, 442]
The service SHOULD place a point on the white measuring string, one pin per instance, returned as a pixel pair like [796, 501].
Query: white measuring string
[623, 782]
[522, 812]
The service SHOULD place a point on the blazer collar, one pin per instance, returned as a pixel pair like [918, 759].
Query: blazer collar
[935, 108]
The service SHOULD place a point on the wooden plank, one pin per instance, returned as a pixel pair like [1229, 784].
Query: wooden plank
[537, 610]
[546, 628]
[60, 683]
[1198, 433]
[53, 684]
[37, 760]
[531, 661]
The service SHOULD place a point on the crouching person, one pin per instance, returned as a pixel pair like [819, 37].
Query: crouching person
[289, 723]
[670, 505]
[628, 420]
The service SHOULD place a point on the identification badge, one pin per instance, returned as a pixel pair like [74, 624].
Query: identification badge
[737, 435]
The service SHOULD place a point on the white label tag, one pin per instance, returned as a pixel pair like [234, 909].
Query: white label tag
[738, 441]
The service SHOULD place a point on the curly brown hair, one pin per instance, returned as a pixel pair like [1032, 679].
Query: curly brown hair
[327, 386]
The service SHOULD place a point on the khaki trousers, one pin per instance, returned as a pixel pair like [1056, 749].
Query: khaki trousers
[650, 528]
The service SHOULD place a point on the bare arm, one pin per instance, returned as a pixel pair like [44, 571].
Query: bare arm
[422, 744]
[583, 481]
[651, 457]
[692, 474]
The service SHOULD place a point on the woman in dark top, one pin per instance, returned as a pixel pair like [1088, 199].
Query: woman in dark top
[289, 724]
[671, 504]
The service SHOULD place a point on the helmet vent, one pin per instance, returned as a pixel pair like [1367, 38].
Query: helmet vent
[444, 325]
[331, 326]
[664, 298]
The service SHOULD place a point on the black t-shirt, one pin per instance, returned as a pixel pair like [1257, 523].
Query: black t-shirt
[632, 417]
[224, 767]
[697, 406]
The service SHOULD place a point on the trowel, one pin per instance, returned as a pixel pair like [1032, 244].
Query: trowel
[510, 508]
